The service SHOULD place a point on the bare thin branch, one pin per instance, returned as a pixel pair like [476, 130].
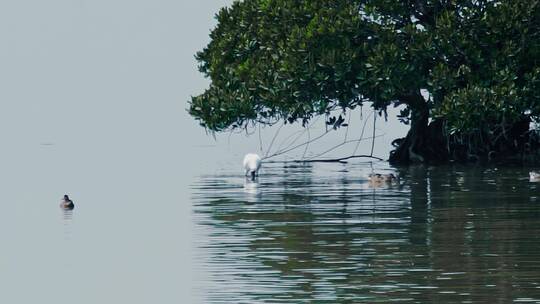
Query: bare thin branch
[298, 146]
[307, 146]
[341, 144]
[362, 133]
[327, 160]
[260, 140]
[273, 140]
[373, 137]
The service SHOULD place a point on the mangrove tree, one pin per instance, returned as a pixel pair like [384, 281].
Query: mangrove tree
[476, 62]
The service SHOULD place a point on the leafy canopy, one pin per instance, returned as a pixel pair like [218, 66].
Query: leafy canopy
[272, 60]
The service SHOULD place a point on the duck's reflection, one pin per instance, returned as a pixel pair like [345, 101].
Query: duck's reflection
[67, 215]
[67, 218]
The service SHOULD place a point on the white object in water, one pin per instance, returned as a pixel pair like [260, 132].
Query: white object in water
[252, 163]
[534, 176]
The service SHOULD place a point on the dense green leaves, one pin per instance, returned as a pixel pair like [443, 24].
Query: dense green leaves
[271, 60]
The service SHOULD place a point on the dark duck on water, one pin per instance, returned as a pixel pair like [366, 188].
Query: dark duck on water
[67, 203]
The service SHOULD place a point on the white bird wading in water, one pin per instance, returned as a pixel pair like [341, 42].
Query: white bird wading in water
[252, 163]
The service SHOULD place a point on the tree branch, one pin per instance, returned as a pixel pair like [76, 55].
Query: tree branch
[326, 160]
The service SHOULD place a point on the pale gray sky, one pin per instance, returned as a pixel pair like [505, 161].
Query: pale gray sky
[97, 71]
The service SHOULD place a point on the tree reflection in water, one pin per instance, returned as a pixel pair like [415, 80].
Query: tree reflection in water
[316, 233]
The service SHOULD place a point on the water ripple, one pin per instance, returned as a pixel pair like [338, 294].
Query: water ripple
[306, 234]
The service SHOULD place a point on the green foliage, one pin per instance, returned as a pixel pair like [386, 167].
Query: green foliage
[271, 60]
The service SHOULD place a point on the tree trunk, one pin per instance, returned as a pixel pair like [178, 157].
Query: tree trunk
[424, 142]
[428, 143]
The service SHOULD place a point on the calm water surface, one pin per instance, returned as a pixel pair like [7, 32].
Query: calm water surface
[321, 234]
